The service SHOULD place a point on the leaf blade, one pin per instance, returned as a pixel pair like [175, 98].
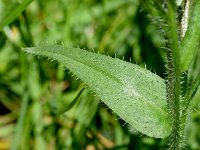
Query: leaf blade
[190, 43]
[123, 86]
[13, 12]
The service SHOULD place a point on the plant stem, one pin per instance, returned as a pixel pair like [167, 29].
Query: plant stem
[174, 72]
[173, 89]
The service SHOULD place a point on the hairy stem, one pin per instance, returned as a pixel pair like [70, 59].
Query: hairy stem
[173, 86]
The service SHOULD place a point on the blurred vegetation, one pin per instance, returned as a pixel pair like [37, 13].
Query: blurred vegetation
[34, 95]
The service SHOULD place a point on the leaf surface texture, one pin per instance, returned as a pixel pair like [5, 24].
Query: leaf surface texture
[134, 93]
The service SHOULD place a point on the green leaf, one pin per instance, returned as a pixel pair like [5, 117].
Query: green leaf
[194, 87]
[191, 41]
[134, 93]
[12, 12]
[20, 123]
[74, 101]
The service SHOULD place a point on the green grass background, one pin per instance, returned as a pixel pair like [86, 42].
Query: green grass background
[34, 93]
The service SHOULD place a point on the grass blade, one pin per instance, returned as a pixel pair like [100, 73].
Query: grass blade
[13, 12]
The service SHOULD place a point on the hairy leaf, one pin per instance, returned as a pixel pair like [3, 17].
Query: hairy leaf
[134, 93]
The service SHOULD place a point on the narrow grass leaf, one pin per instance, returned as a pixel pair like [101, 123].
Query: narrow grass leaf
[194, 86]
[134, 93]
[20, 123]
[73, 102]
[13, 12]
